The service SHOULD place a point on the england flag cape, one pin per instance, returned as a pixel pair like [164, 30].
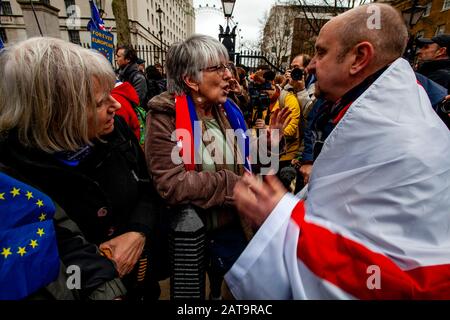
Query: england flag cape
[376, 224]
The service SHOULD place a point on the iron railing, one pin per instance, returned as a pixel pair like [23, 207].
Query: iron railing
[150, 53]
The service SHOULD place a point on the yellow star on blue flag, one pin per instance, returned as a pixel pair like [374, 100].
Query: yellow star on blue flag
[29, 257]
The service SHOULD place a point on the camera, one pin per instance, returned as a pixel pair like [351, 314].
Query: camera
[444, 106]
[259, 99]
[297, 74]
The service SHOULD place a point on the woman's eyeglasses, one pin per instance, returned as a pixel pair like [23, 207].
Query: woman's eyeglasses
[220, 68]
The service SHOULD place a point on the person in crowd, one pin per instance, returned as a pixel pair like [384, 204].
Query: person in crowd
[40, 234]
[160, 69]
[60, 132]
[237, 91]
[141, 65]
[434, 59]
[279, 99]
[126, 59]
[374, 225]
[279, 80]
[125, 94]
[155, 82]
[198, 83]
[302, 84]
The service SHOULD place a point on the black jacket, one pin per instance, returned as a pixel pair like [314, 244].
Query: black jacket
[107, 194]
[99, 279]
[137, 79]
[438, 71]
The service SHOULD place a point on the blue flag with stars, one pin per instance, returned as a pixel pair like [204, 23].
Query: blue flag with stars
[29, 257]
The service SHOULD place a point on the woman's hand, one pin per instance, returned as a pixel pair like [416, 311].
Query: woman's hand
[279, 120]
[260, 124]
[126, 250]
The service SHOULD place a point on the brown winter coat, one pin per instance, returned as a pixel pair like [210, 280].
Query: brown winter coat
[175, 184]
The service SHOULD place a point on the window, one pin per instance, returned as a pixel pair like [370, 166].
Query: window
[3, 35]
[69, 3]
[446, 5]
[427, 10]
[6, 8]
[440, 29]
[74, 36]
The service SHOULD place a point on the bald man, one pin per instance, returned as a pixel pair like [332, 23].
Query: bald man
[376, 222]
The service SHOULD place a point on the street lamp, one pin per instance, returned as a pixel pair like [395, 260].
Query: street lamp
[411, 16]
[228, 37]
[228, 7]
[159, 12]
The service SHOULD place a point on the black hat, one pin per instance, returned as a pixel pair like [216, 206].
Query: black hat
[443, 40]
[140, 61]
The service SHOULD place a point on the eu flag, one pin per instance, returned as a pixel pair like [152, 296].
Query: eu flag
[29, 257]
[96, 22]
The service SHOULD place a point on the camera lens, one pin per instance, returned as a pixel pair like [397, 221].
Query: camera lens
[296, 74]
[445, 106]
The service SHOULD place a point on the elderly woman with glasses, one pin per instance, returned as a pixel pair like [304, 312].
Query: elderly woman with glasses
[59, 131]
[189, 152]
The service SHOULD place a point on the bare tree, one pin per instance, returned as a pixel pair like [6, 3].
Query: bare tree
[277, 33]
[120, 12]
[333, 7]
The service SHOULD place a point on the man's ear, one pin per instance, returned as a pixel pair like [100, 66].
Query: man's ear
[191, 83]
[363, 56]
[442, 51]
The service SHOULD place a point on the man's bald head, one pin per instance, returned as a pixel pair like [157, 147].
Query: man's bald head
[389, 38]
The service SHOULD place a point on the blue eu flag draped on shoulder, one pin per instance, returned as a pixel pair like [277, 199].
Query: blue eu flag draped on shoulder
[28, 251]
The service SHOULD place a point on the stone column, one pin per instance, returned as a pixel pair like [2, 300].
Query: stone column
[47, 16]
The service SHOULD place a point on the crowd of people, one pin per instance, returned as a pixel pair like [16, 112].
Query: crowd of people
[101, 159]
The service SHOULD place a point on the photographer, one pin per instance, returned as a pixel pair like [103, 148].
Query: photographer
[298, 81]
[276, 99]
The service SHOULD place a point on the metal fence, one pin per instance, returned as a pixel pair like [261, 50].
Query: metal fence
[152, 54]
[254, 59]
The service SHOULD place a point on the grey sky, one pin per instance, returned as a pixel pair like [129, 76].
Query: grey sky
[247, 13]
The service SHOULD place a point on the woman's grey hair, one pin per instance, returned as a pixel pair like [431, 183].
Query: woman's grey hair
[47, 92]
[188, 58]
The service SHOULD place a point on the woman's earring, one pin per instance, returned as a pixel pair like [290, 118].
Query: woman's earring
[199, 99]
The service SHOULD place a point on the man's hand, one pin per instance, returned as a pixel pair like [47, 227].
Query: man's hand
[296, 164]
[305, 171]
[235, 87]
[255, 199]
[126, 250]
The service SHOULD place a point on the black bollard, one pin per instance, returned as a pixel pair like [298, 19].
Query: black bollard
[187, 241]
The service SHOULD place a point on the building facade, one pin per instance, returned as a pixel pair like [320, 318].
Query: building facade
[68, 19]
[435, 20]
[291, 30]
